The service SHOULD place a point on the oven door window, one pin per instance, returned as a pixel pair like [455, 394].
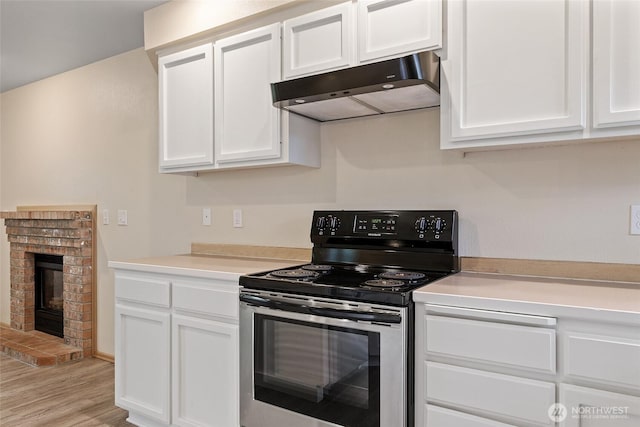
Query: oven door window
[327, 372]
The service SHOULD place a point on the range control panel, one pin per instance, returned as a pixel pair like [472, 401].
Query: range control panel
[394, 225]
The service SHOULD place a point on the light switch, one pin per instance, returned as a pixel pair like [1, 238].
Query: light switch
[237, 218]
[635, 220]
[122, 217]
[105, 217]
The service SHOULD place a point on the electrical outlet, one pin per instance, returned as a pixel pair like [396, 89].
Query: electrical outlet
[105, 217]
[206, 216]
[237, 218]
[635, 220]
[122, 217]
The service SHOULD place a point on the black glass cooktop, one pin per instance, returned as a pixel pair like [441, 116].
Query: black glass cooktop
[357, 283]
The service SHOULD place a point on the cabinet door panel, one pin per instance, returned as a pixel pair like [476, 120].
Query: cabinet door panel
[143, 289]
[391, 27]
[247, 125]
[491, 342]
[515, 67]
[518, 398]
[441, 417]
[186, 107]
[142, 361]
[318, 42]
[211, 299]
[586, 407]
[205, 372]
[616, 63]
[590, 357]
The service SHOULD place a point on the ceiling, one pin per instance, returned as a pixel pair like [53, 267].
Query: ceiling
[41, 38]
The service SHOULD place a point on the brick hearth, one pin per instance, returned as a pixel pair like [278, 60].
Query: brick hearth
[67, 233]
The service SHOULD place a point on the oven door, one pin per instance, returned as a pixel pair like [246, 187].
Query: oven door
[306, 362]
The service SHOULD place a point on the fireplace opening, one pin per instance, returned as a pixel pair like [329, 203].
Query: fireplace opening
[49, 313]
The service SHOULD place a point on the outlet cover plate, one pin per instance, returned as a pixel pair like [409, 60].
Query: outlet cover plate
[635, 220]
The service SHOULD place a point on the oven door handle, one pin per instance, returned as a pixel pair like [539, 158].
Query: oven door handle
[320, 311]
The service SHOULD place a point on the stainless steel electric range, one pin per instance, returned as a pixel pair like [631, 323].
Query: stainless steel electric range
[331, 343]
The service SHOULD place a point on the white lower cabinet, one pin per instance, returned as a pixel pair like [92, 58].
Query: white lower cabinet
[588, 357]
[587, 407]
[436, 416]
[516, 398]
[143, 346]
[483, 368]
[204, 356]
[177, 350]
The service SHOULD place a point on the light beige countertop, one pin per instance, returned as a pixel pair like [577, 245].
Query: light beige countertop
[203, 266]
[536, 295]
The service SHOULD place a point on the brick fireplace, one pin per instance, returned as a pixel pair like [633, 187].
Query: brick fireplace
[66, 233]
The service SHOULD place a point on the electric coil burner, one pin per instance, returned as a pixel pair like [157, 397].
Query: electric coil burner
[384, 283]
[331, 342]
[293, 274]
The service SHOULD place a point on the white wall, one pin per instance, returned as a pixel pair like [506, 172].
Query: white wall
[556, 203]
[89, 136]
[559, 203]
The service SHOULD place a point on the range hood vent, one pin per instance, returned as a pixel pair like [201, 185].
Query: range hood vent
[401, 84]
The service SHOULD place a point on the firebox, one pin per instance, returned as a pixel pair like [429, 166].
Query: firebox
[48, 294]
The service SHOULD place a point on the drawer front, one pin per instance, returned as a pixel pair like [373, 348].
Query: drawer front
[496, 343]
[215, 299]
[146, 290]
[504, 395]
[441, 417]
[603, 359]
[588, 407]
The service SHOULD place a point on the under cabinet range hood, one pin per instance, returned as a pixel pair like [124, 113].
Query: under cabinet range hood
[401, 84]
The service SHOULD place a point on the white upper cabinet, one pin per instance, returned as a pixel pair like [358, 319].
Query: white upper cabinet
[186, 108]
[318, 41]
[616, 63]
[514, 68]
[536, 72]
[349, 34]
[249, 130]
[388, 28]
[247, 126]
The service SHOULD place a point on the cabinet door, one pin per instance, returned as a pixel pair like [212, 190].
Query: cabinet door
[318, 42]
[616, 63]
[514, 68]
[586, 407]
[491, 342]
[521, 399]
[588, 357]
[388, 28]
[205, 372]
[142, 349]
[186, 107]
[436, 416]
[247, 125]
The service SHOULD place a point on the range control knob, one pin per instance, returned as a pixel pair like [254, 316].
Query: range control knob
[438, 225]
[321, 223]
[421, 225]
[334, 222]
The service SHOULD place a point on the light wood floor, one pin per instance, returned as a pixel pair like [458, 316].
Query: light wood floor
[77, 393]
